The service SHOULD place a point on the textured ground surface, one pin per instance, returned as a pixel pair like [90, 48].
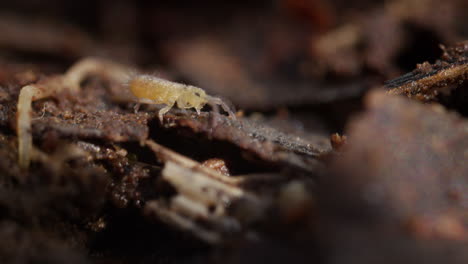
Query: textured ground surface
[350, 143]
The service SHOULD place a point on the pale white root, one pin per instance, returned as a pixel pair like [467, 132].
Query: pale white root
[57, 159]
[70, 80]
[201, 204]
[83, 68]
[26, 96]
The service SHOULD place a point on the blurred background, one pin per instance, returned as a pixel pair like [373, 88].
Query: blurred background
[286, 57]
[302, 65]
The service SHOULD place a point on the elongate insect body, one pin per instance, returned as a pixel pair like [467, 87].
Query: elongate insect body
[148, 89]
[151, 89]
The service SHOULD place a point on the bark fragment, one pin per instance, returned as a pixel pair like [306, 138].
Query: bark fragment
[431, 82]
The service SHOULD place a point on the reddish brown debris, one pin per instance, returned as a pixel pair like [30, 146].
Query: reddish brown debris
[408, 161]
[267, 143]
[338, 141]
[218, 165]
[429, 82]
[107, 125]
[393, 190]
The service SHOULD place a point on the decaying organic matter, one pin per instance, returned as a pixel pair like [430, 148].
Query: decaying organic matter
[94, 124]
[411, 195]
[418, 160]
[429, 82]
[203, 200]
[70, 80]
[324, 161]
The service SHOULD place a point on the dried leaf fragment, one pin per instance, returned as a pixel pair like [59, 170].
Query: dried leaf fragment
[428, 81]
[203, 200]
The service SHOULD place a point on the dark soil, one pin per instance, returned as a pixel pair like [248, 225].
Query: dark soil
[350, 143]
